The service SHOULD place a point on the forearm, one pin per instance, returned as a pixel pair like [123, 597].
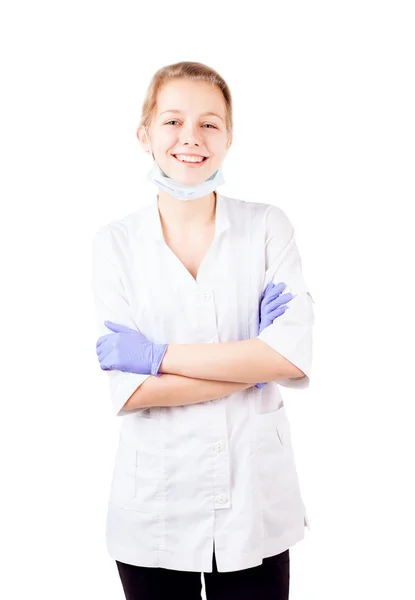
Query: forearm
[248, 361]
[176, 390]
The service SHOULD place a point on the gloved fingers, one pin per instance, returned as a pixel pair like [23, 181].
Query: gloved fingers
[105, 349]
[261, 385]
[269, 286]
[102, 351]
[280, 310]
[107, 367]
[272, 287]
[278, 287]
[101, 340]
[109, 360]
[281, 298]
[280, 301]
[105, 361]
[273, 294]
[110, 341]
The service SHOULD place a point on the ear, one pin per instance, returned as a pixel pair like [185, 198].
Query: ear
[141, 136]
[229, 141]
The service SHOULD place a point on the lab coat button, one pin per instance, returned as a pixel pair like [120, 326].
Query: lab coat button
[204, 296]
[219, 446]
[221, 498]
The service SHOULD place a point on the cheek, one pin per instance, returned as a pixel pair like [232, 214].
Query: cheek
[166, 139]
[219, 154]
[217, 143]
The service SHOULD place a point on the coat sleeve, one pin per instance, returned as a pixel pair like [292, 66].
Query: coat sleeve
[291, 333]
[111, 304]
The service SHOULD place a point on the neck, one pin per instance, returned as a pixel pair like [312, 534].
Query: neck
[177, 215]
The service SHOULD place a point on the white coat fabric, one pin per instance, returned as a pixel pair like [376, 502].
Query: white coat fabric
[218, 474]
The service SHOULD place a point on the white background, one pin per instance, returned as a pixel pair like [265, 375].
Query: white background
[324, 128]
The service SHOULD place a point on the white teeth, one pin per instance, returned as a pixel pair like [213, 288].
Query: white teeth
[185, 158]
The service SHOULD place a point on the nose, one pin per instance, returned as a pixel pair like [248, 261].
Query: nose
[190, 135]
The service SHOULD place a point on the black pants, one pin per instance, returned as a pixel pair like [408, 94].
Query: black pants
[268, 581]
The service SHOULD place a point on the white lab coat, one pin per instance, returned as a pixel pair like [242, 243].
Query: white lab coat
[218, 472]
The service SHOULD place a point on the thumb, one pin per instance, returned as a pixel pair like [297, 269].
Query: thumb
[117, 327]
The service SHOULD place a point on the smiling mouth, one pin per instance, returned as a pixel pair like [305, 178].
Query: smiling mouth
[191, 162]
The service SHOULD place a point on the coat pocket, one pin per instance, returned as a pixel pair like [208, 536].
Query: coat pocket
[275, 473]
[271, 430]
[123, 485]
[138, 478]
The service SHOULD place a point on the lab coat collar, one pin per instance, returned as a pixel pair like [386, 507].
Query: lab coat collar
[154, 230]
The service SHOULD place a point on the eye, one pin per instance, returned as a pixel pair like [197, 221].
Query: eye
[174, 121]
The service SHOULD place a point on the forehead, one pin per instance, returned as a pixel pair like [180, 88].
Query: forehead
[191, 97]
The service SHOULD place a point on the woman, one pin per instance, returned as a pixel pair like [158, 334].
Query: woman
[191, 316]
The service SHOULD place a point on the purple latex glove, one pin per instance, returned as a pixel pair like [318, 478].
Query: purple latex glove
[129, 350]
[272, 307]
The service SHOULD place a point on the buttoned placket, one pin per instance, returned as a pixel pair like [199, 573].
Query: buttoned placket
[205, 316]
[221, 472]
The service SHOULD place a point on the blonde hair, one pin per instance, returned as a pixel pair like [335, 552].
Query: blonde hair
[194, 71]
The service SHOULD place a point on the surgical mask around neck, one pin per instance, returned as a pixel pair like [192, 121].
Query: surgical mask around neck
[182, 191]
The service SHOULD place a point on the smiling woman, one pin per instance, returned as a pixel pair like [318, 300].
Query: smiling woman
[195, 346]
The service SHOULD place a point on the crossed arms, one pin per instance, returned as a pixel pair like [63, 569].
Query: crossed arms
[193, 373]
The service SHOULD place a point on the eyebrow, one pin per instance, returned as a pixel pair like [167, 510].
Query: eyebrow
[175, 110]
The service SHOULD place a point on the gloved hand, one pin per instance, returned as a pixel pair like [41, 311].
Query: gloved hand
[272, 307]
[129, 350]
